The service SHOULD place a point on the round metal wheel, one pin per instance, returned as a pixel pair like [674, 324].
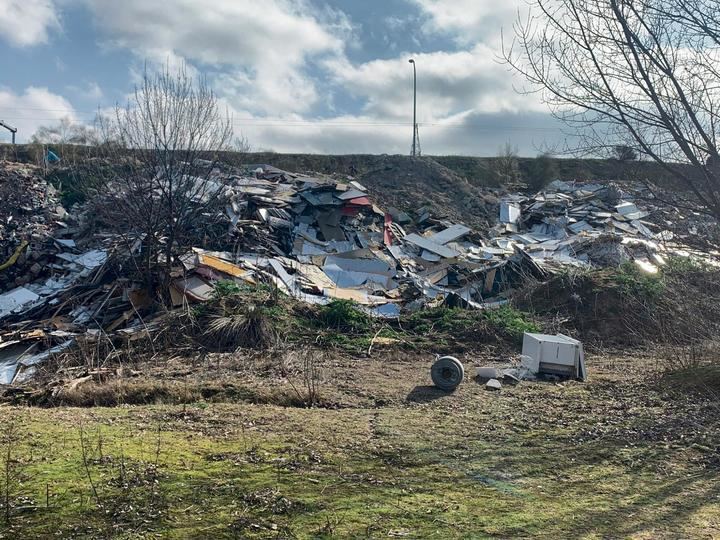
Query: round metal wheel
[447, 373]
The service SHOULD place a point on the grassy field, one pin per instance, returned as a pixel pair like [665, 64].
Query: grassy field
[616, 457]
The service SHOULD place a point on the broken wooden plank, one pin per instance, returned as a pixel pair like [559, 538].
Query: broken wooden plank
[225, 267]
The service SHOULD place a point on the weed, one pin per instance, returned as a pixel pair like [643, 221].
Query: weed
[11, 438]
[441, 319]
[226, 287]
[685, 265]
[638, 284]
[504, 319]
[345, 315]
[510, 321]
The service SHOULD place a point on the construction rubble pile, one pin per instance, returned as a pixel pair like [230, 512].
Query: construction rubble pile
[586, 225]
[314, 238]
[30, 211]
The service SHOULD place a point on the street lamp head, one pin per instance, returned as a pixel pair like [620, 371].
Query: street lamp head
[411, 61]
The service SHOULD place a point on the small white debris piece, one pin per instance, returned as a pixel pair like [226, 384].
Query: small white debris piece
[15, 299]
[509, 212]
[487, 372]
[91, 259]
[358, 186]
[449, 234]
[646, 266]
[513, 375]
[65, 243]
[529, 363]
[625, 208]
[493, 384]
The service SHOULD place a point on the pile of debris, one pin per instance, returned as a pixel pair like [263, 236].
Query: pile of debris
[30, 212]
[584, 225]
[316, 238]
[319, 239]
[543, 356]
[423, 183]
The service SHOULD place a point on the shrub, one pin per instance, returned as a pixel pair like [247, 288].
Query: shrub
[639, 284]
[248, 328]
[225, 288]
[543, 170]
[510, 321]
[345, 315]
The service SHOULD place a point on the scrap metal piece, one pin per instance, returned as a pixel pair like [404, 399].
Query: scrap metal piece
[15, 300]
[429, 245]
[509, 212]
[450, 234]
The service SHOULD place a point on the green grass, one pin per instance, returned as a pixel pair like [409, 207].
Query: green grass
[344, 325]
[225, 471]
[449, 323]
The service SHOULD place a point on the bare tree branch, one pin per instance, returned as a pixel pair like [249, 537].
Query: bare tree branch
[635, 73]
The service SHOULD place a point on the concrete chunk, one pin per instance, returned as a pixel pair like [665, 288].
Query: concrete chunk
[487, 372]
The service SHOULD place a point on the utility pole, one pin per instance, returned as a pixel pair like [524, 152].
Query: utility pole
[10, 129]
[414, 143]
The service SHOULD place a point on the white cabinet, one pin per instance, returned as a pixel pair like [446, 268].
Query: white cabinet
[556, 355]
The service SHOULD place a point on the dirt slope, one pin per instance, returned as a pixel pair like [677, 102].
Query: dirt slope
[410, 184]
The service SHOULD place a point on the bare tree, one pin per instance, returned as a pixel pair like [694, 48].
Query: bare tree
[156, 182]
[65, 132]
[637, 73]
[240, 144]
[67, 137]
[625, 153]
[506, 166]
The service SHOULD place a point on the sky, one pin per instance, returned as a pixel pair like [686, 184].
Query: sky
[305, 76]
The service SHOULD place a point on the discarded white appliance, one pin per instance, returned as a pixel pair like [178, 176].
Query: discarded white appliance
[555, 355]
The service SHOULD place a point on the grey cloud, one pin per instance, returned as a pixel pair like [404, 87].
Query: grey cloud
[475, 133]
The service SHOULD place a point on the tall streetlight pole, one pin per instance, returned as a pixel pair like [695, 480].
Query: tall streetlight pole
[414, 146]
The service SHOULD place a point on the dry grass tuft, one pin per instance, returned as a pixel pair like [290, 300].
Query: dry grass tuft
[249, 328]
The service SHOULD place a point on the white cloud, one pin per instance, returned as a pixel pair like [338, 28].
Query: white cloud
[24, 23]
[468, 133]
[90, 92]
[33, 108]
[259, 50]
[448, 83]
[469, 21]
